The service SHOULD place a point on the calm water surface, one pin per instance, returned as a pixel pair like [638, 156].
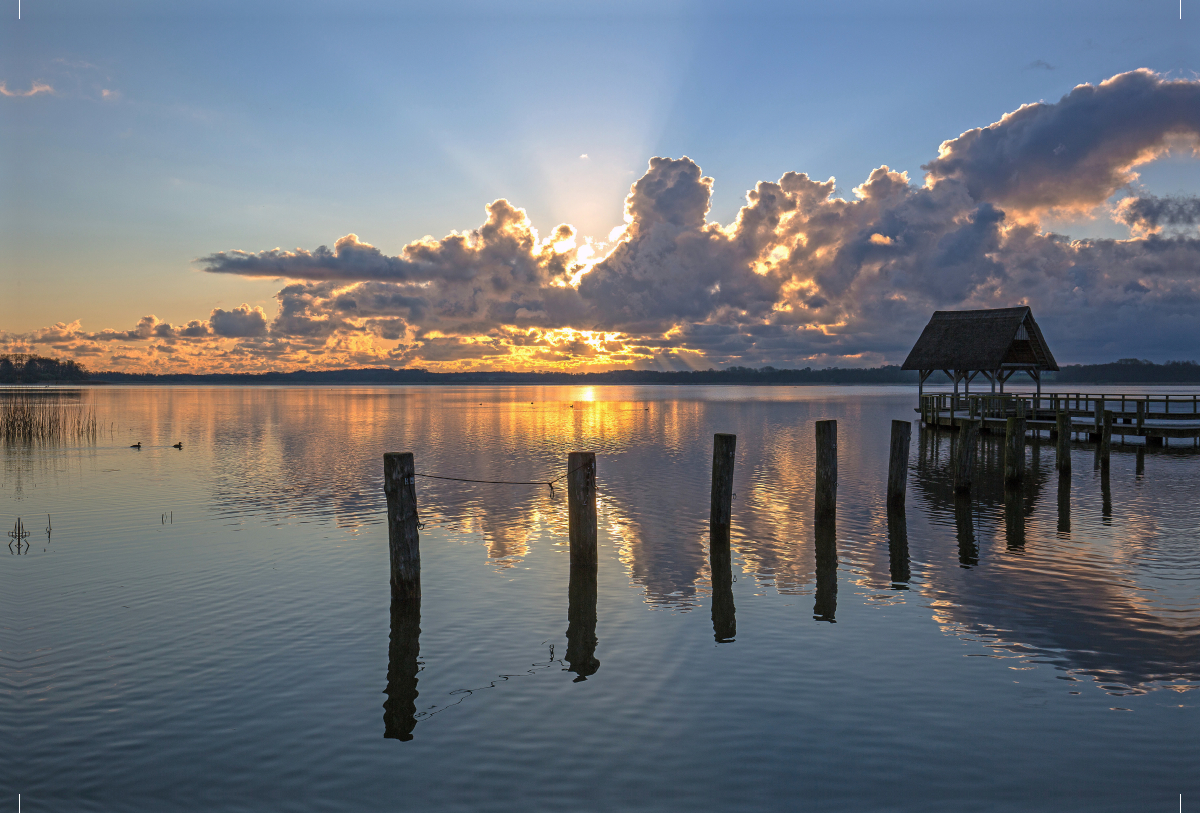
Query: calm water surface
[210, 628]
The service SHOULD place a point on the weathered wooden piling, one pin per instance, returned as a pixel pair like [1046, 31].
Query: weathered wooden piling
[1095, 436]
[720, 513]
[581, 507]
[1062, 458]
[582, 587]
[964, 455]
[720, 518]
[898, 462]
[404, 545]
[1014, 450]
[1140, 469]
[826, 481]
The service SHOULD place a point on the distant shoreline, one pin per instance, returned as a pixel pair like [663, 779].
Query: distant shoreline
[42, 372]
[1123, 372]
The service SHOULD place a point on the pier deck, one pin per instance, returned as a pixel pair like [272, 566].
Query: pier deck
[1154, 418]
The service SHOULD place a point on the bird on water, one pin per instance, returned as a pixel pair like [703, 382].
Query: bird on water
[137, 445]
[178, 445]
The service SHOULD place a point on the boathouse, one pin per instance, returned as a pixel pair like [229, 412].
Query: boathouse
[994, 343]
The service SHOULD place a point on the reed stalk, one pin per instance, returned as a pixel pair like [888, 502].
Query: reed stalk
[25, 418]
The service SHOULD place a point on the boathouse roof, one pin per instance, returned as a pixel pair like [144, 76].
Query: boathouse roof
[995, 339]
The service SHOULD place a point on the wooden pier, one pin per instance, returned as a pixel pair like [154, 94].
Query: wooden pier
[1155, 418]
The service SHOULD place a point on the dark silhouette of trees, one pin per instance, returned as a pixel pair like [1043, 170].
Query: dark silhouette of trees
[23, 368]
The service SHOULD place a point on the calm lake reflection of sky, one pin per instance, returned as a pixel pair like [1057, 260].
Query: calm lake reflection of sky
[209, 628]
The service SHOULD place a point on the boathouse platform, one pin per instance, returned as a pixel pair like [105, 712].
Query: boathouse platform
[1156, 419]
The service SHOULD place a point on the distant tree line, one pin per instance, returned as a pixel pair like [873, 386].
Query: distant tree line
[1129, 371]
[23, 368]
[31, 369]
[731, 375]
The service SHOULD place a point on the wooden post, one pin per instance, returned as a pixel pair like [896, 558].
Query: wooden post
[1099, 402]
[1014, 450]
[963, 464]
[404, 545]
[581, 507]
[826, 483]
[720, 512]
[1141, 415]
[898, 462]
[720, 517]
[1106, 438]
[1062, 458]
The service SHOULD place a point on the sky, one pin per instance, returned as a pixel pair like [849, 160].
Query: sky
[258, 186]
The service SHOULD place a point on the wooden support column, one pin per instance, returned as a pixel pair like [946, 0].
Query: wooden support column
[1062, 459]
[582, 587]
[898, 462]
[1099, 418]
[581, 507]
[720, 519]
[404, 545]
[826, 458]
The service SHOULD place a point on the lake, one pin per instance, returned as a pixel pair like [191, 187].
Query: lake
[210, 628]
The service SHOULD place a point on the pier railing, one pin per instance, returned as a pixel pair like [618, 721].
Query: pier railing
[1170, 414]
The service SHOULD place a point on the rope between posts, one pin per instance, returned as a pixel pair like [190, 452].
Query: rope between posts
[548, 483]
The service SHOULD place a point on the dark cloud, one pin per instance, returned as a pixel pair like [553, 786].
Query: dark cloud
[240, 322]
[1075, 153]
[1152, 212]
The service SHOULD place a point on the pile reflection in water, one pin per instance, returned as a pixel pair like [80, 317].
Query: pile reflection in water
[404, 650]
[581, 621]
[825, 597]
[898, 557]
[1081, 604]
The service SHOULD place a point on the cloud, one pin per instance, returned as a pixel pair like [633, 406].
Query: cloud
[800, 276]
[1039, 64]
[34, 89]
[1152, 212]
[1076, 153]
[240, 322]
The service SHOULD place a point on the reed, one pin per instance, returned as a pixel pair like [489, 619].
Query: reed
[28, 418]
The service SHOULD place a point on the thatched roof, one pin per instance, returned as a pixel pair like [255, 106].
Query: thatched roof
[981, 340]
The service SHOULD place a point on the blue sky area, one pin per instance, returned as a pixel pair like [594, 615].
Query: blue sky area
[172, 132]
